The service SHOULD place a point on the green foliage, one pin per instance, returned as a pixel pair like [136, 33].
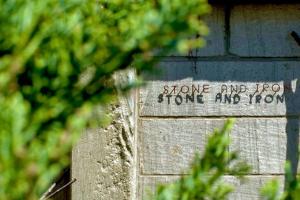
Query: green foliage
[56, 62]
[272, 190]
[204, 179]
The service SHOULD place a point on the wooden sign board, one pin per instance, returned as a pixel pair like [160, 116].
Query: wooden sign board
[223, 89]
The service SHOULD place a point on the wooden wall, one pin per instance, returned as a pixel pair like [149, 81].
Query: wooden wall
[248, 70]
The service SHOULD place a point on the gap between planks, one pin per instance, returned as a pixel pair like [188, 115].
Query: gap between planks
[221, 117]
[229, 175]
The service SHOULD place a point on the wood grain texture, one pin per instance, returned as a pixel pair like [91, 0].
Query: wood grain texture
[264, 30]
[215, 75]
[167, 146]
[245, 190]
[147, 185]
[215, 43]
[266, 143]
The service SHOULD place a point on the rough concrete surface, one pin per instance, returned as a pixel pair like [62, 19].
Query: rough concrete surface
[101, 163]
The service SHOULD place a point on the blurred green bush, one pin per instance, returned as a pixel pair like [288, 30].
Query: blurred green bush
[56, 62]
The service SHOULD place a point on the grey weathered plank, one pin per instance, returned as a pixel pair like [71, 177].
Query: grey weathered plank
[282, 75]
[215, 45]
[251, 188]
[147, 185]
[248, 190]
[215, 41]
[264, 30]
[266, 143]
[167, 146]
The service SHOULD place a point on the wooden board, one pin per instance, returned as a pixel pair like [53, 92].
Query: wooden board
[167, 146]
[248, 190]
[265, 30]
[223, 88]
[215, 40]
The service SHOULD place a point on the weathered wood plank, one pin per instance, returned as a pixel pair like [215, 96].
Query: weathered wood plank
[264, 30]
[215, 45]
[248, 190]
[147, 185]
[225, 88]
[266, 143]
[167, 146]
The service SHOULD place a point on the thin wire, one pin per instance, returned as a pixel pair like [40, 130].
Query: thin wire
[59, 189]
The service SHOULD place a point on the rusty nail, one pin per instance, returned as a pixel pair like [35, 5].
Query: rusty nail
[296, 37]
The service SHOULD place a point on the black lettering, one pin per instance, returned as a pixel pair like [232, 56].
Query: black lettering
[236, 99]
[269, 98]
[218, 97]
[160, 98]
[257, 98]
[280, 98]
[178, 100]
[190, 98]
[169, 96]
[227, 98]
[251, 96]
[200, 100]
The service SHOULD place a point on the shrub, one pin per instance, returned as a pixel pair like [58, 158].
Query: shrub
[56, 62]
